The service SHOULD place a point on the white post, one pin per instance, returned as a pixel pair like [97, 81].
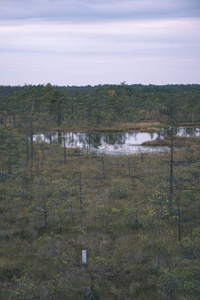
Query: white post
[84, 258]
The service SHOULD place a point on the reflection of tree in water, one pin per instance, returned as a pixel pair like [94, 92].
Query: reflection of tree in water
[109, 141]
[114, 139]
[159, 135]
[192, 131]
[48, 137]
[92, 139]
[69, 139]
[95, 140]
[135, 135]
[73, 139]
[38, 138]
[186, 131]
[82, 139]
[59, 137]
[168, 131]
[152, 136]
[66, 138]
[53, 137]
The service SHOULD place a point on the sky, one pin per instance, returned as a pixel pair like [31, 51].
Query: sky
[92, 42]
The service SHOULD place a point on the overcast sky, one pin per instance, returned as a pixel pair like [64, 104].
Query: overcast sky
[91, 42]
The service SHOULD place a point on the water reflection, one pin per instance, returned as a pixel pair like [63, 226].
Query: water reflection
[111, 143]
[188, 131]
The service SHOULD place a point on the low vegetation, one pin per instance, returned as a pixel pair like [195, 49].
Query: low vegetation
[138, 222]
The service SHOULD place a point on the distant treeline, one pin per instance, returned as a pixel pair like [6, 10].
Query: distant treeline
[8, 89]
[99, 105]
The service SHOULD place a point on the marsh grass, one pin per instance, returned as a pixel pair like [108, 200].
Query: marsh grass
[129, 236]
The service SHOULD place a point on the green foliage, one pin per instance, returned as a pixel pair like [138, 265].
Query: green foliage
[51, 210]
[119, 188]
[22, 288]
[184, 279]
[97, 106]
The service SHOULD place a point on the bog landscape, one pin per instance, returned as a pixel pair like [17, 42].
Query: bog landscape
[110, 169]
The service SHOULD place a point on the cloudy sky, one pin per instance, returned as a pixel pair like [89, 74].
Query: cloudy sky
[91, 42]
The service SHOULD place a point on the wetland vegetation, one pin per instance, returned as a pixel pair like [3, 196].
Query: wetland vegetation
[137, 215]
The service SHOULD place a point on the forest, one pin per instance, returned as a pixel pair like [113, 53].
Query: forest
[136, 215]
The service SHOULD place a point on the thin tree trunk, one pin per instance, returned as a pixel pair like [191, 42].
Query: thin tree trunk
[117, 167]
[103, 169]
[27, 151]
[72, 212]
[45, 211]
[171, 175]
[81, 198]
[9, 159]
[65, 155]
[179, 220]
[31, 136]
[129, 167]
[14, 120]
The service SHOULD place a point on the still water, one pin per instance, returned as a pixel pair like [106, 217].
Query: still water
[119, 143]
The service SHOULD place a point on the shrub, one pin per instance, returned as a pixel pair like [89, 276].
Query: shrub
[119, 188]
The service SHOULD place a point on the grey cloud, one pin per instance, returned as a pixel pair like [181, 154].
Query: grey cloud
[170, 37]
[142, 38]
[99, 10]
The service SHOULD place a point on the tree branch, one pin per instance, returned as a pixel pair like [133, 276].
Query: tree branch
[6, 174]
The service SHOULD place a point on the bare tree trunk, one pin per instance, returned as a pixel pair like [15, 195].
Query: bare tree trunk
[14, 120]
[65, 155]
[179, 220]
[31, 136]
[129, 167]
[171, 175]
[103, 169]
[45, 211]
[27, 151]
[117, 165]
[80, 191]
[9, 159]
[2, 169]
[71, 212]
